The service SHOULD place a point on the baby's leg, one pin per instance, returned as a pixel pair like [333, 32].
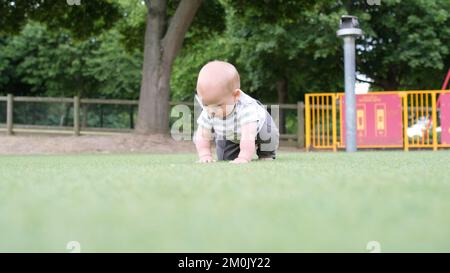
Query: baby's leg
[267, 140]
[226, 149]
[265, 155]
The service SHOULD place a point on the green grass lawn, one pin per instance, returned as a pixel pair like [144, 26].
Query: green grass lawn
[168, 203]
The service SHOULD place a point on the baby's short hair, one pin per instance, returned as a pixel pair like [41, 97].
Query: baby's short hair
[225, 70]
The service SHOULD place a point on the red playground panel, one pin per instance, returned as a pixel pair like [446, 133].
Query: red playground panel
[378, 120]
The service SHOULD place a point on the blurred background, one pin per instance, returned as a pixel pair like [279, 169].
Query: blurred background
[283, 49]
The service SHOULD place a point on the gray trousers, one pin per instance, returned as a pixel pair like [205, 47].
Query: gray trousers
[267, 141]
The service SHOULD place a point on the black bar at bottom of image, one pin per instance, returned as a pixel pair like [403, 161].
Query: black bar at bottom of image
[221, 262]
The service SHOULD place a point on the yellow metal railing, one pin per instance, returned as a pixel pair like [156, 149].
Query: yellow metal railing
[320, 117]
[323, 115]
[420, 107]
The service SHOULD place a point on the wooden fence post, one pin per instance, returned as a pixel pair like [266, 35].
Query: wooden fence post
[76, 115]
[300, 124]
[9, 114]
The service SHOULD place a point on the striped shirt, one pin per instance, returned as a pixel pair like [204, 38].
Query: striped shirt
[246, 110]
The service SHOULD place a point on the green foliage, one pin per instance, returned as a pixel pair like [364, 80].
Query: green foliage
[95, 49]
[85, 20]
[295, 45]
[191, 59]
[406, 43]
[405, 46]
[117, 71]
[39, 60]
[132, 25]
[54, 64]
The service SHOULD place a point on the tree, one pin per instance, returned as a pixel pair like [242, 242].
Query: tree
[87, 19]
[116, 70]
[51, 59]
[406, 44]
[162, 44]
[164, 35]
[283, 48]
[291, 47]
[43, 62]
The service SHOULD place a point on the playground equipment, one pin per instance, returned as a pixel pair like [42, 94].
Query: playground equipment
[389, 119]
[438, 105]
[395, 119]
[349, 31]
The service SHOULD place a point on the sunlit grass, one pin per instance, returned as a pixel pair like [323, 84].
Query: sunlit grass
[168, 203]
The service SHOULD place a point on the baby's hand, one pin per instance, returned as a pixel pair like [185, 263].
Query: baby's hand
[205, 159]
[239, 160]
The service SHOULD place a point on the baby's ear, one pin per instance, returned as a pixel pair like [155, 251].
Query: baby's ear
[237, 93]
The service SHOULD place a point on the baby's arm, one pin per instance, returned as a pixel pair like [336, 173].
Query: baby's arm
[247, 143]
[202, 140]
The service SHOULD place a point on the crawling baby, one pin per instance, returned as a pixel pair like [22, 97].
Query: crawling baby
[239, 124]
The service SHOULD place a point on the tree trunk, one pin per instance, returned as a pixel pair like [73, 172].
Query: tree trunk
[160, 51]
[282, 91]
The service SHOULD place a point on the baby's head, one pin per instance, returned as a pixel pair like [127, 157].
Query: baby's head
[218, 87]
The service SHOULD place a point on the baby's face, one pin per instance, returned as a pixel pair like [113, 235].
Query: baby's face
[218, 103]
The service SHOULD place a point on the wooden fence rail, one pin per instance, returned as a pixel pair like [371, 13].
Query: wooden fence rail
[297, 139]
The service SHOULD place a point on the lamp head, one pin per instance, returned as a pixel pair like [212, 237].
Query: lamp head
[349, 26]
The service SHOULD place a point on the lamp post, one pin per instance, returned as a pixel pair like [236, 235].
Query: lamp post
[349, 30]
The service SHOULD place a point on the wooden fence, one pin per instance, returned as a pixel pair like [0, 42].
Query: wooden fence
[296, 139]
